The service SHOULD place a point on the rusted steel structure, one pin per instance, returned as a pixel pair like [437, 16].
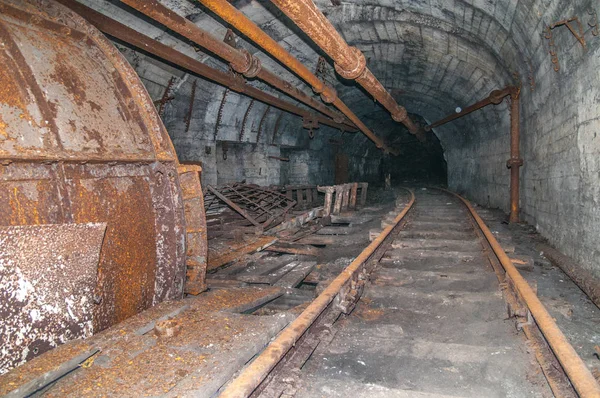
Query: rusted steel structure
[233, 82]
[240, 61]
[262, 207]
[495, 98]
[350, 63]
[234, 17]
[33, 262]
[515, 161]
[341, 293]
[81, 142]
[195, 228]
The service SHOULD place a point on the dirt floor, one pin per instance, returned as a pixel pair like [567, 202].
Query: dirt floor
[424, 327]
[195, 345]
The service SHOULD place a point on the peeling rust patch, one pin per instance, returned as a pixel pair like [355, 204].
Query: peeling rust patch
[47, 278]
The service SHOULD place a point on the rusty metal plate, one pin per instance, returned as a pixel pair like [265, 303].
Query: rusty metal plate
[80, 142]
[47, 281]
[65, 92]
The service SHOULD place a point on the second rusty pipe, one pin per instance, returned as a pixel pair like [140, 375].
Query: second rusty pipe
[235, 83]
[515, 161]
[350, 62]
[495, 98]
[240, 60]
[238, 20]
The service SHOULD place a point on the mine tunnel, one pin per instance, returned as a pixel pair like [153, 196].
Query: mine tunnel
[299, 198]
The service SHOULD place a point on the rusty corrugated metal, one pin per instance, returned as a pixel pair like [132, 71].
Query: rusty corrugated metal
[80, 142]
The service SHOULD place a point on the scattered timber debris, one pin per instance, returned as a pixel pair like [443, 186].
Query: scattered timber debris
[244, 219]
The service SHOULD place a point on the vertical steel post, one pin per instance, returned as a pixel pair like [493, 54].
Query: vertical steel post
[515, 161]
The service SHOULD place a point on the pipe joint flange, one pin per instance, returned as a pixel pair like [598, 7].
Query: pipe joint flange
[328, 95]
[497, 96]
[357, 69]
[510, 163]
[400, 114]
[250, 67]
[237, 83]
[427, 128]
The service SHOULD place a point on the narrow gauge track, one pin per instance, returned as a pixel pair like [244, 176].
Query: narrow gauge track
[434, 279]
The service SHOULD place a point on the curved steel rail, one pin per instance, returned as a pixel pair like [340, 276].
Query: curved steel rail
[251, 377]
[580, 376]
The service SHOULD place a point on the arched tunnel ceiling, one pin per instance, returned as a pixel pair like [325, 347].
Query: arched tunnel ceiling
[432, 55]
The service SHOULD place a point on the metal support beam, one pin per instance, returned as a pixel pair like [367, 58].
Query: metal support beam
[241, 61]
[350, 62]
[234, 82]
[495, 98]
[515, 161]
[238, 20]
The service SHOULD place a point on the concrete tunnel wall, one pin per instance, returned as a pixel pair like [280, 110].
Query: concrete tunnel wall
[433, 56]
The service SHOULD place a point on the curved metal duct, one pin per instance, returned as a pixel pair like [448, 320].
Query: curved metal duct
[81, 142]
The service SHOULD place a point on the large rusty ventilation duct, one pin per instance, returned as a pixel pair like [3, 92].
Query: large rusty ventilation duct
[81, 143]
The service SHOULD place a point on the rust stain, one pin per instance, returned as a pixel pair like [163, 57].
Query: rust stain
[68, 77]
[10, 92]
[126, 270]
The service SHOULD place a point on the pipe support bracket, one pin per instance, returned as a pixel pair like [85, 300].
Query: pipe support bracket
[250, 67]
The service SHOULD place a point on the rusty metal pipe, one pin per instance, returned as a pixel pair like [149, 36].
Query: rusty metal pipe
[235, 83]
[580, 376]
[234, 17]
[240, 60]
[350, 63]
[495, 98]
[247, 381]
[515, 161]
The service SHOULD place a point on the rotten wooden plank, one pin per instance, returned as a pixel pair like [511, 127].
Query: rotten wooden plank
[293, 248]
[335, 231]
[320, 240]
[261, 243]
[296, 275]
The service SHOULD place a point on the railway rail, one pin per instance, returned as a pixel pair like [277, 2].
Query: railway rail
[432, 277]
